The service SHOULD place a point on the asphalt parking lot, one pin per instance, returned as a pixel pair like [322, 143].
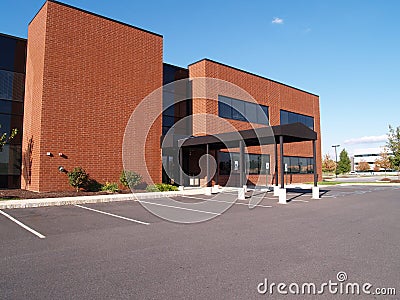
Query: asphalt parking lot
[119, 250]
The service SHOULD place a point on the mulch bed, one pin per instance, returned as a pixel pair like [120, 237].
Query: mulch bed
[24, 194]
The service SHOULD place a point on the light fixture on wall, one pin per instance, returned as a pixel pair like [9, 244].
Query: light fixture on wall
[62, 155]
[49, 154]
[62, 169]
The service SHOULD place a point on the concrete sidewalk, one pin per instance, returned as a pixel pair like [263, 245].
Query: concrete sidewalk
[40, 202]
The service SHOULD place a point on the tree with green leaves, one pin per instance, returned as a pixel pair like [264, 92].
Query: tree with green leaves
[4, 138]
[344, 164]
[393, 144]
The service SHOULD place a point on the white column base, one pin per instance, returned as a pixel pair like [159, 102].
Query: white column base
[241, 194]
[181, 188]
[282, 196]
[207, 191]
[315, 192]
[276, 190]
[215, 189]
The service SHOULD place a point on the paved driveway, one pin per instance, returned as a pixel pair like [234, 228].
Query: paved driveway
[121, 251]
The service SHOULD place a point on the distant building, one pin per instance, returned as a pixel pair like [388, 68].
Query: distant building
[369, 155]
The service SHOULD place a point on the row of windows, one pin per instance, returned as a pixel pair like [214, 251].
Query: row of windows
[235, 109]
[254, 163]
[368, 155]
[296, 165]
[288, 117]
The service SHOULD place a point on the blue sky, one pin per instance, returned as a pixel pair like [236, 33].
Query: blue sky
[347, 52]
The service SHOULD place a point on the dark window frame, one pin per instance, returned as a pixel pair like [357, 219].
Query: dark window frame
[226, 110]
[225, 165]
[289, 117]
[294, 166]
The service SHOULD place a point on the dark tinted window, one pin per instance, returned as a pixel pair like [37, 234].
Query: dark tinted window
[310, 122]
[11, 85]
[7, 56]
[177, 102]
[10, 160]
[224, 110]
[251, 112]
[224, 160]
[239, 110]
[284, 117]
[300, 165]
[263, 118]
[288, 117]
[11, 107]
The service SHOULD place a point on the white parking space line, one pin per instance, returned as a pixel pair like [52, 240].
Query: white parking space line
[39, 235]
[112, 215]
[178, 207]
[296, 200]
[222, 201]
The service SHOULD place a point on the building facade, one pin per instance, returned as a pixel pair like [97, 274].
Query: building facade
[86, 74]
[369, 155]
[12, 86]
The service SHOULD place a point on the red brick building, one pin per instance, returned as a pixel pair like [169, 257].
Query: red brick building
[86, 74]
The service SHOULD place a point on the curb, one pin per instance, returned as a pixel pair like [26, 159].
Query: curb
[44, 202]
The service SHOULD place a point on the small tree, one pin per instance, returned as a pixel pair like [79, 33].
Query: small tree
[130, 179]
[393, 144]
[383, 162]
[328, 164]
[344, 164]
[363, 166]
[4, 139]
[78, 178]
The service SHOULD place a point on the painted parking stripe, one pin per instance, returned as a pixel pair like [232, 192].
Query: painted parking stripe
[299, 200]
[39, 235]
[178, 207]
[268, 206]
[112, 215]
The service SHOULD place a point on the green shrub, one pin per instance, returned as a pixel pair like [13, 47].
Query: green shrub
[78, 178]
[93, 186]
[130, 179]
[110, 187]
[161, 187]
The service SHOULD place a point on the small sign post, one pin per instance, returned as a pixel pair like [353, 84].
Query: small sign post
[266, 172]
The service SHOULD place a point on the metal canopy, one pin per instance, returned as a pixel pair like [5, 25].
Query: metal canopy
[296, 132]
[280, 134]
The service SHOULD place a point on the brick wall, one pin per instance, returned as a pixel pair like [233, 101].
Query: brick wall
[85, 76]
[275, 95]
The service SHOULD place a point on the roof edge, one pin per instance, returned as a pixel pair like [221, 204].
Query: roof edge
[96, 15]
[13, 37]
[253, 74]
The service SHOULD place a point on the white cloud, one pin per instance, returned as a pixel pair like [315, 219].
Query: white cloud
[367, 140]
[277, 21]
